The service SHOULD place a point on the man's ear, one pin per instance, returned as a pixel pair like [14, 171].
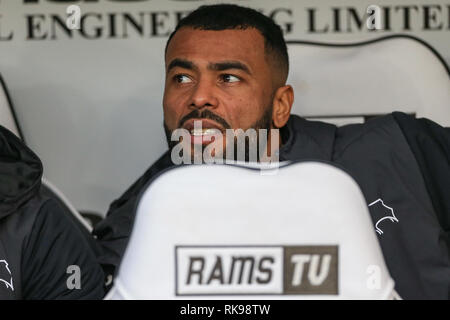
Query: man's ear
[282, 104]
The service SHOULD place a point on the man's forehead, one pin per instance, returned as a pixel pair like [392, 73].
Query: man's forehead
[245, 45]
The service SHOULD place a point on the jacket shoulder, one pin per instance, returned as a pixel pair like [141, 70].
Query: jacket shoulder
[54, 249]
[348, 135]
[430, 144]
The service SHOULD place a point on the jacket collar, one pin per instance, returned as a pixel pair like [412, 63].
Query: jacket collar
[304, 139]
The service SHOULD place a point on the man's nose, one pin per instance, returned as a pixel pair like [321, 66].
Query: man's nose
[203, 95]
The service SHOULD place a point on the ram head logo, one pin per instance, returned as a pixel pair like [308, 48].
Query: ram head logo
[5, 275]
[388, 214]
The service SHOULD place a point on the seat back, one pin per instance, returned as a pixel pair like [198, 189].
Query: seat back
[202, 232]
[348, 83]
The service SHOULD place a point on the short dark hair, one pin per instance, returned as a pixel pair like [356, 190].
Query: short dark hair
[229, 16]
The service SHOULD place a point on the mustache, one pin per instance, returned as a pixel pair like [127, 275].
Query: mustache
[205, 114]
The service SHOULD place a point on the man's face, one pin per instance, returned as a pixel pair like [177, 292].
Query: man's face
[219, 77]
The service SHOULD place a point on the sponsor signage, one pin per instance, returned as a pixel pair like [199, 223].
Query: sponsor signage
[257, 270]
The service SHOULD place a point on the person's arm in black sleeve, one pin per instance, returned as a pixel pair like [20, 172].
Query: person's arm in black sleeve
[54, 244]
[430, 144]
[112, 233]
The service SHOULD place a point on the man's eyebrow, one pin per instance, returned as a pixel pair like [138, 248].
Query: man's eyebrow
[225, 65]
[182, 63]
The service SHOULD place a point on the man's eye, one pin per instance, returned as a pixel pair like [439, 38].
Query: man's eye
[182, 78]
[230, 78]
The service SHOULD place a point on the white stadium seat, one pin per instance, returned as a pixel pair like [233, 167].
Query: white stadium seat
[345, 83]
[205, 232]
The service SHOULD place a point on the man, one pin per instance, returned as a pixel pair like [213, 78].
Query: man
[43, 253]
[227, 66]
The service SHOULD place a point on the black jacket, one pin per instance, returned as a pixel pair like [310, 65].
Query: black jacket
[38, 239]
[397, 160]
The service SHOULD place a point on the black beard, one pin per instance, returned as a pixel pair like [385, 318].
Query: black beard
[264, 122]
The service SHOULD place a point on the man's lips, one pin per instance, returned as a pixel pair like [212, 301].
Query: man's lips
[191, 124]
[202, 131]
